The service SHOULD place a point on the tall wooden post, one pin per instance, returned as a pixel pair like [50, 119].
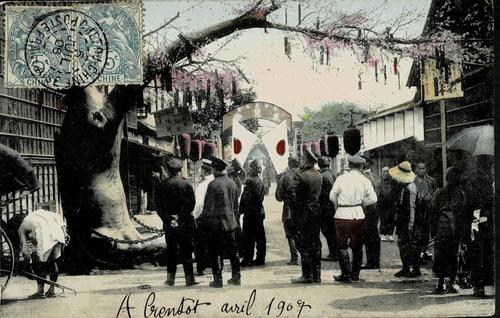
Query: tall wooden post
[442, 110]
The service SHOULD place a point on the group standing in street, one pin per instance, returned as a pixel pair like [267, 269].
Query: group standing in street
[348, 209]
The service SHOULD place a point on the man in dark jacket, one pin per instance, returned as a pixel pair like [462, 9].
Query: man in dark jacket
[236, 173]
[286, 183]
[253, 217]
[219, 222]
[306, 197]
[175, 203]
[327, 208]
[371, 237]
[426, 186]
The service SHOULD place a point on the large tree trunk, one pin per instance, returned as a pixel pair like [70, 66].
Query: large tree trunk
[88, 157]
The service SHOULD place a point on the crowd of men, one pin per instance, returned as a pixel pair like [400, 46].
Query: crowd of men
[349, 209]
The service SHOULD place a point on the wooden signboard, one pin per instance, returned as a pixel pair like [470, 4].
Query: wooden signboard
[436, 84]
[173, 121]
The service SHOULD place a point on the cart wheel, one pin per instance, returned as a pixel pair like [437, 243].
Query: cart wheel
[6, 259]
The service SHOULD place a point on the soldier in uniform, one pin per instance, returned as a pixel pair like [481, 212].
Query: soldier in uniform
[238, 175]
[327, 209]
[218, 220]
[286, 182]
[371, 238]
[307, 217]
[176, 201]
[253, 212]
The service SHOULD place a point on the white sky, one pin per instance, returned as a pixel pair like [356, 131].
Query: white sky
[299, 82]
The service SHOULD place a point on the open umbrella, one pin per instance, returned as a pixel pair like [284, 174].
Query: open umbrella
[15, 172]
[477, 140]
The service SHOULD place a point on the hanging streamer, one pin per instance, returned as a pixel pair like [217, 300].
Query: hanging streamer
[385, 74]
[395, 66]
[376, 71]
[327, 56]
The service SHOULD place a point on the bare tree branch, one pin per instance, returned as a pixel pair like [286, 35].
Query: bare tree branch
[163, 25]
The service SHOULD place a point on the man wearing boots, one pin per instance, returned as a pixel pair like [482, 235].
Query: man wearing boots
[351, 192]
[286, 183]
[254, 235]
[176, 201]
[306, 205]
[200, 243]
[371, 238]
[327, 209]
[219, 222]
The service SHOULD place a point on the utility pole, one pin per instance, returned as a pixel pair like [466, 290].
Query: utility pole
[442, 111]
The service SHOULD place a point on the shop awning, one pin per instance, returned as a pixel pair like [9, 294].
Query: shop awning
[392, 126]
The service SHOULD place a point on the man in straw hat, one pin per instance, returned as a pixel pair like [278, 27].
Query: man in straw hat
[351, 192]
[218, 220]
[407, 223]
[175, 203]
[307, 218]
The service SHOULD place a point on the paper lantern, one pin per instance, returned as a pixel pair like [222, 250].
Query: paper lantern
[322, 147]
[209, 149]
[352, 140]
[184, 145]
[315, 148]
[332, 145]
[196, 149]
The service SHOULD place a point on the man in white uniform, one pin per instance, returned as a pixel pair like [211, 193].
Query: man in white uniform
[351, 192]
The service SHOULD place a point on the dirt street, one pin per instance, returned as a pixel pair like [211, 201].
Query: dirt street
[265, 292]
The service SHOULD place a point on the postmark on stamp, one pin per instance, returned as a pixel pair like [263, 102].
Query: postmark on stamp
[82, 44]
[66, 48]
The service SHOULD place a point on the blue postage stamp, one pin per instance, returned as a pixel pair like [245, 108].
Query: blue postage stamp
[83, 44]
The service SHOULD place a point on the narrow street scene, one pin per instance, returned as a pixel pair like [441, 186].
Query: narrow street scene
[253, 158]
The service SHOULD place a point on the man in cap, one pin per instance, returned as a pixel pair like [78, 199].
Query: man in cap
[407, 225]
[238, 175]
[307, 217]
[176, 201]
[350, 193]
[371, 238]
[327, 209]
[253, 212]
[286, 182]
[218, 220]
[200, 246]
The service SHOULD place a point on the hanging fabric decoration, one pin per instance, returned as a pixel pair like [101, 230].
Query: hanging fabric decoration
[321, 54]
[315, 148]
[327, 56]
[156, 93]
[208, 92]
[395, 66]
[287, 47]
[176, 98]
[385, 74]
[376, 71]
[276, 143]
[300, 15]
[166, 78]
[234, 88]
